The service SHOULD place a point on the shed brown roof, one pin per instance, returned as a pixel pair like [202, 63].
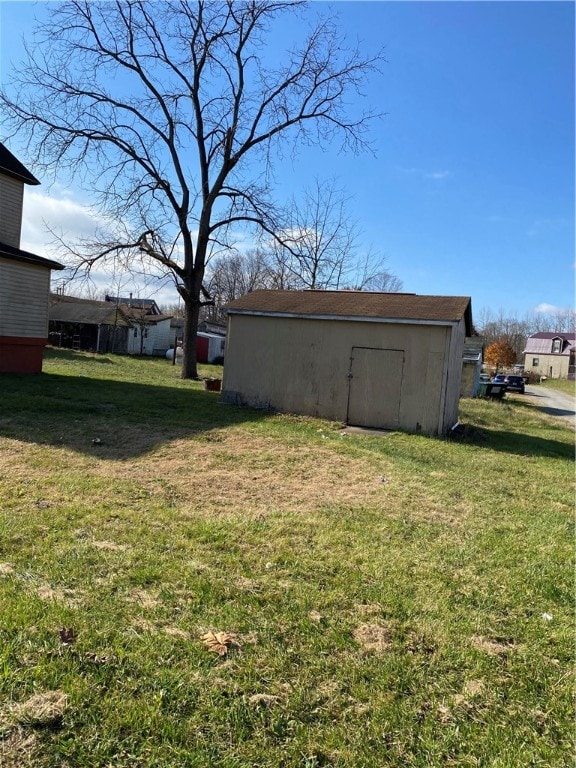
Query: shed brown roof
[356, 305]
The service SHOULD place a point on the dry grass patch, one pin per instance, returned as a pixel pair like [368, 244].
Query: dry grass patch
[374, 638]
[111, 546]
[42, 710]
[493, 647]
[144, 598]
[255, 474]
[68, 597]
[19, 749]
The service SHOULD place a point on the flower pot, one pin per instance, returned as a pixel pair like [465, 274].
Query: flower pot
[213, 385]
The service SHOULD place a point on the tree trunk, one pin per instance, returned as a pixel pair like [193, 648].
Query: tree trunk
[189, 366]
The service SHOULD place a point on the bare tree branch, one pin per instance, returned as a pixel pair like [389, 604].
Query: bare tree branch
[165, 110]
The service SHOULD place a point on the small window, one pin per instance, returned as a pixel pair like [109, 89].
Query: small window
[556, 346]
[535, 361]
[135, 333]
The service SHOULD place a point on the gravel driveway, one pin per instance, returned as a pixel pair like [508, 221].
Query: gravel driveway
[551, 401]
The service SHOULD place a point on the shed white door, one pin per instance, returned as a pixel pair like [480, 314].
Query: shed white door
[375, 387]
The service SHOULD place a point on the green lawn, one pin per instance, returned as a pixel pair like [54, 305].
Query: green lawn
[561, 384]
[388, 601]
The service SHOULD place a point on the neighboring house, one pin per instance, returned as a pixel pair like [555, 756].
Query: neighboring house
[551, 354]
[85, 324]
[212, 326]
[150, 334]
[151, 330]
[176, 332]
[381, 360]
[471, 366]
[148, 306]
[210, 348]
[24, 278]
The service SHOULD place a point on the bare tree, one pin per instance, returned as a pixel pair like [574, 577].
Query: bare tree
[229, 277]
[171, 115]
[318, 251]
[319, 246]
[515, 331]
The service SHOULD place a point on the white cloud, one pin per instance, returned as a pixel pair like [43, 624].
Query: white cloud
[424, 174]
[548, 309]
[44, 217]
[437, 175]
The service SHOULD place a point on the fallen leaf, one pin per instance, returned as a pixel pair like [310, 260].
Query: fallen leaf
[67, 635]
[219, 642]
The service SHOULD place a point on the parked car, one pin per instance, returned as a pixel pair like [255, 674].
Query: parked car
[485, 378]
[500, 378]
[514, 384]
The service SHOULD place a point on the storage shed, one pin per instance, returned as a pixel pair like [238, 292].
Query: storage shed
[24, 278]
[86, 324]
[379, 360]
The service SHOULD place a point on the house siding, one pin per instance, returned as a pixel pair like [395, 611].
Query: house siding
[24, 292]
[156, 340]
[456, 340]
[11, 198]
[553, 366]
[302, 365]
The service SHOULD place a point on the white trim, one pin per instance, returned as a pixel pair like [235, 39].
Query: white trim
[354, 318]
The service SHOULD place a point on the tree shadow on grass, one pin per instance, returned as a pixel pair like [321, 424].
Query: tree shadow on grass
[561, 412]
[517, 442]
[520, 443]
[110, 419]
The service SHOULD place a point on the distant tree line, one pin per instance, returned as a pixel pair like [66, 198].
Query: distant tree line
[514, 331]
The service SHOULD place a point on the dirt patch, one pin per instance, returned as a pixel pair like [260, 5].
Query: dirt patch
[6, 569]
[473, 687]
[376, 638]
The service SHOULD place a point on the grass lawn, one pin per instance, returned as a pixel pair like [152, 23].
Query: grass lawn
[563, 385]
[385, 601]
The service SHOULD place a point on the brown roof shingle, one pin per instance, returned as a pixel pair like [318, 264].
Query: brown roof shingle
[356, 305]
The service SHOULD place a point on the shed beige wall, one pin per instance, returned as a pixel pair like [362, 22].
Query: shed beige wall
[11, 197]
[301, 366]
[558, 363]
[24, 299]
[455, 341]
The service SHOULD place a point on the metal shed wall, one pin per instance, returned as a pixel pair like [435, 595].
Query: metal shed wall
[302, 365]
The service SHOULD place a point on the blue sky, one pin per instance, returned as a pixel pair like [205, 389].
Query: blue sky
[471, 191]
